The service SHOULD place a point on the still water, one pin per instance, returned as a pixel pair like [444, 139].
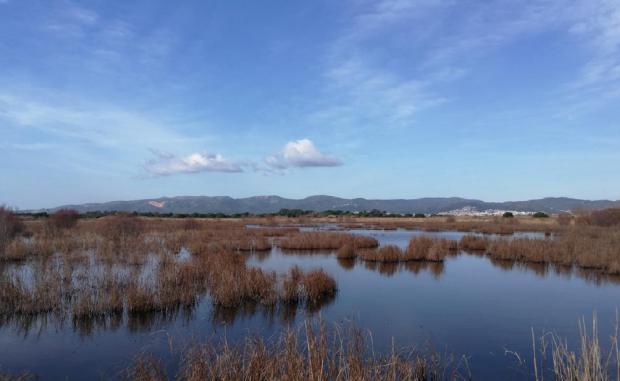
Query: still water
[468, 305]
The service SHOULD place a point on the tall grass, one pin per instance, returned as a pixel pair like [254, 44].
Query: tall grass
[590, 362]
[312, 352]
[326, 241]
[10, 227]
[429, 249]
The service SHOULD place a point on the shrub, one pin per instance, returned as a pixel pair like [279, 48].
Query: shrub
[565, 219]
[10, 226]
[508, 215]
[606, 217]
[63, 219]
[120, 226]
[419, 215]
[540, 215]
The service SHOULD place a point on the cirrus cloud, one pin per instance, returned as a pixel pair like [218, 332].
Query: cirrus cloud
[301, 153]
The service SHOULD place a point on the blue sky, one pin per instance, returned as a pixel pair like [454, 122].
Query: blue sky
[498, 100]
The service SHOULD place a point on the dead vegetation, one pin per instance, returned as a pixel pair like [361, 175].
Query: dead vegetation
[326, 241]
[429, 249]
[586, 247]
[311, 353]
[122, 265]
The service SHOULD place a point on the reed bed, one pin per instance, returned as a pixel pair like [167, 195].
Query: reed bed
[326, 241]
[385, 254]
[95, 290]
[420, 248]
[346, 251]
[311, 352]
[429, 249]
[474, 243]
[487, 225]
[589, 248]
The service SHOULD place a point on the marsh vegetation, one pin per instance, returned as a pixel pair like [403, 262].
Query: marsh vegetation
[127, 272]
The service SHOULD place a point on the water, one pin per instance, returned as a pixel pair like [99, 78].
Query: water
[467, 306]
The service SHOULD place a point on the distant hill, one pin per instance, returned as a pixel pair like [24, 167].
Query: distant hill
[269, 204]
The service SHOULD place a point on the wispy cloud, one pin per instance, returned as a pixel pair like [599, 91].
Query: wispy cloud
[597, 24]
[96, 124]
[168, 164]
[301, 153]
[369, 95]
[362, 90]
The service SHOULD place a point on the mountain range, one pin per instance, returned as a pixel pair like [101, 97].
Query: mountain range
[270, 204]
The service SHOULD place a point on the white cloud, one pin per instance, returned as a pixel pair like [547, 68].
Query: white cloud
[168, 164]
[301, 153]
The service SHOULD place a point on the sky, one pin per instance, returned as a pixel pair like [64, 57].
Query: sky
[495, 100]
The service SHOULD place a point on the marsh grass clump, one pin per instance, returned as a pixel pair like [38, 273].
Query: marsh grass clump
[346, 251]
[326, 241]
[41, 295]
[311, 287]
[317, 285]
[98, 298]
[385, 254]
[473, 243]
[423, 248]
[312, 352]
[145, 368]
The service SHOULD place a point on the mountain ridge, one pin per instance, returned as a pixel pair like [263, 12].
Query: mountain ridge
[319, 203]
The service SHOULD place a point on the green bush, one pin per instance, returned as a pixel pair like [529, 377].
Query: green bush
[508, 215]
[540, 215]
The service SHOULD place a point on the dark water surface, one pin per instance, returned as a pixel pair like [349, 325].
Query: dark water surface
[469, 306]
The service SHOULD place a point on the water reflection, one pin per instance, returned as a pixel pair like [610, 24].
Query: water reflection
[461, 303]
[283, 314]
[544, 270]
[347, 263]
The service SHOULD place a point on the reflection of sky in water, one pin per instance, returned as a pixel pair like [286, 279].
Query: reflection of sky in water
[469, 305]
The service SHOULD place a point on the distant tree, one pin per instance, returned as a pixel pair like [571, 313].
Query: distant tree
[508, 215]
[419, 215]
[540, 215]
